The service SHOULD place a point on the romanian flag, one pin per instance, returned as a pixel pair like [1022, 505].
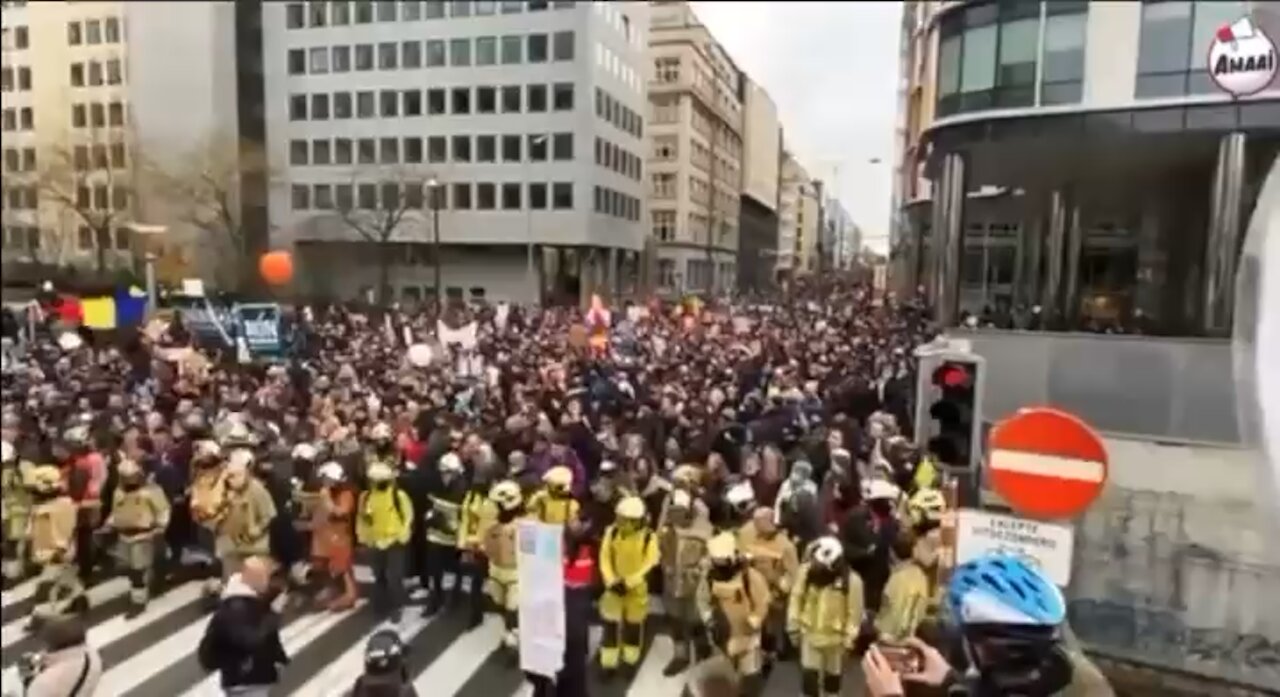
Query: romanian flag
[127, 308]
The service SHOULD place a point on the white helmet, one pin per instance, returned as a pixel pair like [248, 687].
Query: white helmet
[331, 471]
[380, 431]
[681, 499]
[451, 463]
[7, 452]
[380, 472]
[206, 449]
[238, 434]
[879, 490]
[827, 550]
[304, 451]
[740, 494]
[239, 460]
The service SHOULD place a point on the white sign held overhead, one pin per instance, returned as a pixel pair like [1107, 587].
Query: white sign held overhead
[1046, 545]
[541, 610]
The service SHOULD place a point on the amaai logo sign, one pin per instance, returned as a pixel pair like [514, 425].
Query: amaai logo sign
[1242, 58]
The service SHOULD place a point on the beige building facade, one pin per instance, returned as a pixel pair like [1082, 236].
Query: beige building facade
[695, 164]
[798, 212]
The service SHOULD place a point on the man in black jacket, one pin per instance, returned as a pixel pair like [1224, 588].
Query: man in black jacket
[242, 641]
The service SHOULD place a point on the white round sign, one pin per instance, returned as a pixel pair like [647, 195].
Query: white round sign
[1242, 58]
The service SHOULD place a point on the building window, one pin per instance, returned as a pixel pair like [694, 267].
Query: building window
[537, 51]
[460, 52]
[364, 105]
[461, 97]
[511, 46]
[538, 196]
[485, 7]
[388, 55]
[436, 101]
[1064, 44]
[387, 10]
[562, 48]
[667, 69]
[297, 107]
[389, 151]
[389, 101]
[486, 50]
[435, 9]
[562, 196]
[435, 53]
[538, 147]
[667, 273]
[320, 107]
[510, 148]
[319, 13]
[536, 101]
[412, 103]
[411, 54]
[364, 12]
[486, 149]
[342, 151]
[461, 146]
[664, 225]
[460, 8]
[321, 152]
[562, 146]
[511, 194]
[462, 196]
[74, 35]
[437, 149]
[562, 96]
[295, 16]
[664, 185]
[413, 150]
[666, 147]
[340, 13]
[1171, 48]
[485, 196]
[364, 56]
[301, 197]
[341, 59]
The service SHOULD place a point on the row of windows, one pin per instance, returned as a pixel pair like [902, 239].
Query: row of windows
[618, 114]
[16, 38]
[511, 49]
[21, 198]
[433, 149]
[97, 73]
[617, 204]
[1172, 45]
[19, 159]
[619, 68]
[97, 114]
[100, 197]
[93, 32]
[458, 196]
[437, 101]
[617, 159]
[99, 156]
[22, 238]
[341, 13]
[17, 119]
[117, 239]
[8, 83]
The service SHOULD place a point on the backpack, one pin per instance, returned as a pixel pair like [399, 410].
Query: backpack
[396, 493]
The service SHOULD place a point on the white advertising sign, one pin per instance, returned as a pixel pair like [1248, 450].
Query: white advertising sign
[1046, 545]
[541, 573]
[1242, 58]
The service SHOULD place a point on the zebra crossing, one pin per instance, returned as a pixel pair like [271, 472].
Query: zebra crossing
[154, 653]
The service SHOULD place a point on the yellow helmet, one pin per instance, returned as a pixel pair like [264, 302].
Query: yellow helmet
[506, 494]
[46, 478]
[380, 472]
[558, 477]
[722, 547]
[630, 508]
[927, 504]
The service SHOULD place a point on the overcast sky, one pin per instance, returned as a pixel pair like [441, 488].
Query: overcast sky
[832, 69]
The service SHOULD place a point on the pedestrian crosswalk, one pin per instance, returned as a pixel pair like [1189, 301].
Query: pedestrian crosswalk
[154, 653]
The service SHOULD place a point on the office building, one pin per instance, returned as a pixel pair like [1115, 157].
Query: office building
[761, 176]
[799, 209]
[696, 156]
[97, 99]
[498, 144]
[1095, 160]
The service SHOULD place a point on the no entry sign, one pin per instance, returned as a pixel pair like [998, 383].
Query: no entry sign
[1046, 463]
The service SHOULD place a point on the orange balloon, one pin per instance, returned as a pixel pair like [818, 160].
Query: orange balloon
[276, 267]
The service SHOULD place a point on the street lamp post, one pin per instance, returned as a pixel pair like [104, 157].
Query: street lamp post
[433, 185]
[149, 257]
[530, 271]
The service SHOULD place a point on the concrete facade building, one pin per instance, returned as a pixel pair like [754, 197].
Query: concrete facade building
[761, 175]
[696, 152]
[1078, 158]
[798, 213]
[497, 144]
[97, 98]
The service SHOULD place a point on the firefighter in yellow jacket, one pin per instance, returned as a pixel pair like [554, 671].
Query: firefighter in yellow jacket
[824, 616]
[384, 526]
[906, 595]
[59, 591]
[139, 513]
[15, 479]
[249, 510]
[683, 542]
[733, 600]
[924, 512]
[628, 552]
[208, 497]
[554, 503]
[475, 515]
[774, 555]
[500, 549]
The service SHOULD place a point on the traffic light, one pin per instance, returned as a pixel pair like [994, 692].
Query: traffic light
[949, 406]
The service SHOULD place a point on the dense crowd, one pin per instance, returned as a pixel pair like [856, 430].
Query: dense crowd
[751, 464]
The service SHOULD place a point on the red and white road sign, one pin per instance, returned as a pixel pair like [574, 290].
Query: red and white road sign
[1046, 463]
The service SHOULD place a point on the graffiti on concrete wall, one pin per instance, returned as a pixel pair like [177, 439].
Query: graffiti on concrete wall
[1157, 579]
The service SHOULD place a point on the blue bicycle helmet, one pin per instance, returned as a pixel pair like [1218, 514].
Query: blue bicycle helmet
[998, 589]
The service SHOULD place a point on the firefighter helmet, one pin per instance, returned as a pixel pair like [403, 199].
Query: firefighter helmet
[506, 494]
[450, 463]
[305, 451]
[380, 472]
[128, 469]
[558, 477]
[206, 450]
[238, 435]
[722, 548]
[630, 508]
[741, 496]
[380, 432]
[331, 471]
[827, 551]
[880, 490]
[239, 459]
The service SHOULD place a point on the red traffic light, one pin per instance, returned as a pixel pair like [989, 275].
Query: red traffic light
[951, 375]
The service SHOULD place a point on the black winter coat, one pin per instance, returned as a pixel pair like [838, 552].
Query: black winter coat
[242, 642]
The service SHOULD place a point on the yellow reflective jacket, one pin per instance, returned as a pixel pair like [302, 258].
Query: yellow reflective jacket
[475, 516]
[384, 517]
[553, 510]
[140, 512]
[627, 556]
[829, 615]
[906, 598]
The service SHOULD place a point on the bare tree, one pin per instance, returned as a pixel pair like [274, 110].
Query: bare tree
[90, 180]
[207, 191]
[375, 206]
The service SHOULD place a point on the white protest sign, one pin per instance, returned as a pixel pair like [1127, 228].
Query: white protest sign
[541, 576]
[1046, 545]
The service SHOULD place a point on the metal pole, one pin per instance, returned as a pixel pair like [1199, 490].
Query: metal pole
[435, 231]
[150, 271]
